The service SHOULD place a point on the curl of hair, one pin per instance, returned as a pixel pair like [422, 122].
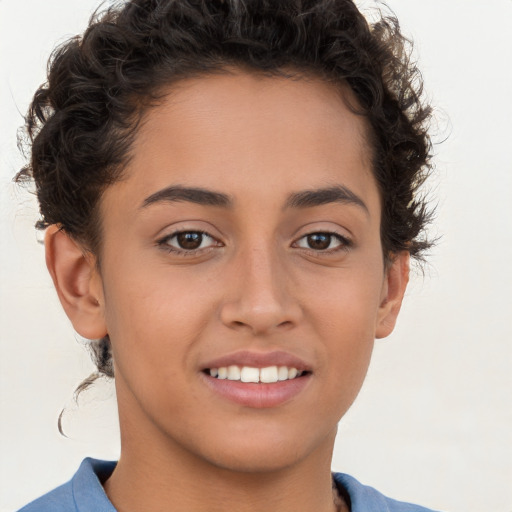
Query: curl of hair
[82, 121]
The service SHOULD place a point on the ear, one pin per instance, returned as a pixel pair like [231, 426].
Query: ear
[77, 282]
[393, 290]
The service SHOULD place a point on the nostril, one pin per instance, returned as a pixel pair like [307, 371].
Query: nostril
[259, 315]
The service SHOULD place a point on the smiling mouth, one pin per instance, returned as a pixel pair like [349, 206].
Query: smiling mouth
[249, 374]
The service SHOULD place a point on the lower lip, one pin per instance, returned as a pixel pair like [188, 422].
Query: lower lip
[258, 395]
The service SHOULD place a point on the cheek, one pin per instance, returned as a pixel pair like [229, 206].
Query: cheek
[344, 318]
[345, 301]
[154, 321]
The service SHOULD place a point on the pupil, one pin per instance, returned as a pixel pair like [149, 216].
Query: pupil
[190, 240]
[319, 241]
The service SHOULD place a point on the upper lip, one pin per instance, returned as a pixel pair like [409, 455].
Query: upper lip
[258, 360]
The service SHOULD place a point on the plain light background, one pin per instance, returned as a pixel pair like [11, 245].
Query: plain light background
[433, 423]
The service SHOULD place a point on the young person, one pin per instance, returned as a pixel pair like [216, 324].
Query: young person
[229, 192]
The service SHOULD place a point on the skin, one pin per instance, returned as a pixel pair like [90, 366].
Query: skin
[255, 284]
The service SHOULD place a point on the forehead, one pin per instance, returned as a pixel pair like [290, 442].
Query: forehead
[299, 103]
[246, 131]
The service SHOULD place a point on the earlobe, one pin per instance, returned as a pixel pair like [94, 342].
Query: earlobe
[394, 286]
[77, 283]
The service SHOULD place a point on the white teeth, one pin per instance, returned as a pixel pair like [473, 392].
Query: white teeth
[249, 374]
[267, 375]
[282, 373]
[233, 373]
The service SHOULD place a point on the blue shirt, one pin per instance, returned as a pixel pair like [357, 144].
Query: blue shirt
[84, 493]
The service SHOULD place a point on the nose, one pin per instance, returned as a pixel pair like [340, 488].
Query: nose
[260, 295]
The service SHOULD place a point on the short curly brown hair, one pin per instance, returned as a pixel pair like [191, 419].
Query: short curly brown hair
[82, 122]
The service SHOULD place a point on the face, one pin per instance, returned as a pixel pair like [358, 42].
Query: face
[243, 244]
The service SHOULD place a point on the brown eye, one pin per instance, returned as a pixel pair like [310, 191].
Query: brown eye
[319, 241]
[188, 241]
[323, 242]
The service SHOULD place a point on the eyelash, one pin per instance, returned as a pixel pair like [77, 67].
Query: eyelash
[345, 243]
[164, 243]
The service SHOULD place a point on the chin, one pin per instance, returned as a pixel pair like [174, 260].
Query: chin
[257, 459]
[266, 451]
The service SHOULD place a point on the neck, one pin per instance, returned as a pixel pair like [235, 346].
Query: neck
[162, 475]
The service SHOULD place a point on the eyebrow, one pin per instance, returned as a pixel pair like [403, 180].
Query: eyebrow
[303, 199]
[318, 197]
[189, 194]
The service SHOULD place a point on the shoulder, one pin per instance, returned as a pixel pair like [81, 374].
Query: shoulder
[83, 493]
[58, 500]
[366, 499]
